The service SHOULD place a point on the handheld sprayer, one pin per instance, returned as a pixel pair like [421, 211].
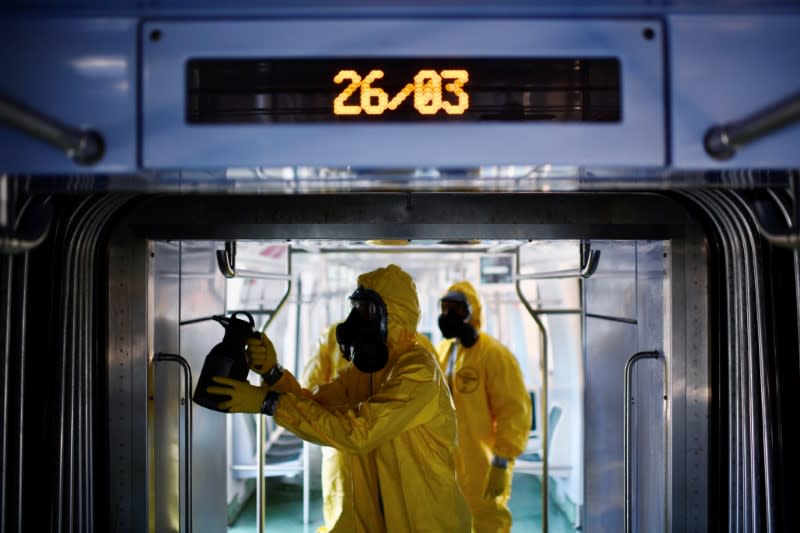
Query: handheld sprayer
[226, 358]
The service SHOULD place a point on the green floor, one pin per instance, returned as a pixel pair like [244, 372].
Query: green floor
[284, 511]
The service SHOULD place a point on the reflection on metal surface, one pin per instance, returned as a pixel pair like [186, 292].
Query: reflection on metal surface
[100, 65]
[187, 443]
[291, 180]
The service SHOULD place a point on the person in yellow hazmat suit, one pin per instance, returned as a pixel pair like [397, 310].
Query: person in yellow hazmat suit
[389, 413]
[336, 476]
[492, 404]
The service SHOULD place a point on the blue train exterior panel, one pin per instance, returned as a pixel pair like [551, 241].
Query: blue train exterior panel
[80, 72]
[107, 74]
[724, 68]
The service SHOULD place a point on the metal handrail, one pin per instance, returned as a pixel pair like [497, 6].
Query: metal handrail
[791, 237]
[187, 414]
[260, 425]
[554, 274]
[543, 403]
[226, 261]
[589, 259]
[635, 358]
[722, 141]
[84, 147]
[24, 229]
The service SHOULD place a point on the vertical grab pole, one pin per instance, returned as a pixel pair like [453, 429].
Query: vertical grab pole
[261, 428]
[627, 461]
[543, 407]
[297, 366]
[187, 449]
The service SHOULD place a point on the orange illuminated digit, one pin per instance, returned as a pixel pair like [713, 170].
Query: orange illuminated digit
[427, 92]
[373, 99]
[460, 78]
[339, 106]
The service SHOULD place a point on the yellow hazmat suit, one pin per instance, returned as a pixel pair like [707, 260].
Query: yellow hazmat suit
[395, 427]
[336, 475]
[494, 415]
[335, 471]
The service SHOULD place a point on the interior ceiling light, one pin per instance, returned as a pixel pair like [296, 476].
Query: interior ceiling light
[389, 242]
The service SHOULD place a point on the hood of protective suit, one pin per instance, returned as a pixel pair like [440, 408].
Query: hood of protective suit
[399, 293]
[466, 288]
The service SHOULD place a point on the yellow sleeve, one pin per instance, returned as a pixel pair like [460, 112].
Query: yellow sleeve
[320, 369]
[328, 394]
[332, 394]
[510, 403]
[407, 398]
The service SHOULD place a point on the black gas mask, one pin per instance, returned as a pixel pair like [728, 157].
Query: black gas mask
[362, 337]
[454, 319]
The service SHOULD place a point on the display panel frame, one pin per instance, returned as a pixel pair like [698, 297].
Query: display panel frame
[407, 90]
[169, 142]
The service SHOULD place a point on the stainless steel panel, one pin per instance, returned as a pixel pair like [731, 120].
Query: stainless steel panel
[202, 295]
[688, 383]
[648, 442]
[128, 349]
[185, 282]
[202, 285]
[625, 314]
[548, 259]
[611, 291]
[165, 416]
[608, 346]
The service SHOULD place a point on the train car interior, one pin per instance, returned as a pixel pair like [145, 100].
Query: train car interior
[618, 180]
